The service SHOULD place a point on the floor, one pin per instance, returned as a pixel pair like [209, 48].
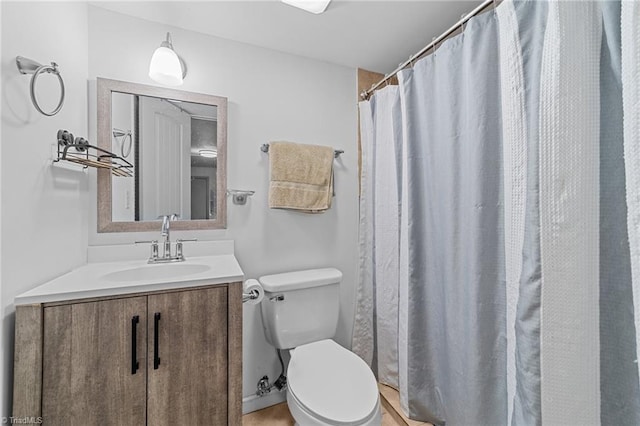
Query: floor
[391, 399]
[278, 415]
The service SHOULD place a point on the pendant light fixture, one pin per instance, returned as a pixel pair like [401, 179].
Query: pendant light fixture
[313, 6]
[166, 67]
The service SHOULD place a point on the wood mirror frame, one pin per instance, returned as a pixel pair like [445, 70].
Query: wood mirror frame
[105, 87]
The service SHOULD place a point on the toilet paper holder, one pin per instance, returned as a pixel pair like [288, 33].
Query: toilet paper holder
[252, 292]
[252, 295]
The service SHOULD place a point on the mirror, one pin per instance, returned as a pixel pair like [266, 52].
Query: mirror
[176, 142]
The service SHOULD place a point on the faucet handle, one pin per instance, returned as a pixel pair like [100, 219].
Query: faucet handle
[154, 248]
[179, 242]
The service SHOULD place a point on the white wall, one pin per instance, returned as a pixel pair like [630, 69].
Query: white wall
[44, 210]
[272, 96]
[3, 345]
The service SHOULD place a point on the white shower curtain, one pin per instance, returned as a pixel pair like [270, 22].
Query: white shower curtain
[379, 244]
[505, 289]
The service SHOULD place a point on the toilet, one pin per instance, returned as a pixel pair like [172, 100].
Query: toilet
[327, 384]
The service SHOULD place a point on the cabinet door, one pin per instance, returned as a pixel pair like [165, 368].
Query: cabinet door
[87, 363]
[189, 384]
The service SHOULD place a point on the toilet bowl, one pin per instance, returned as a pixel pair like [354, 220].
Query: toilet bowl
[329, 385]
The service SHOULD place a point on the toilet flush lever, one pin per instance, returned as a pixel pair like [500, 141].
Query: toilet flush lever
[278, 298]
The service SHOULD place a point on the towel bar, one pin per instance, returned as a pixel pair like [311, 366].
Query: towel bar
[336, 152]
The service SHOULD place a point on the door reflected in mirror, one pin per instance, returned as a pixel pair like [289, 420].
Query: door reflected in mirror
[173, 147]
[177, 143]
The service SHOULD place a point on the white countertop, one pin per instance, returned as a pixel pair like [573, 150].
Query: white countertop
[97, 279]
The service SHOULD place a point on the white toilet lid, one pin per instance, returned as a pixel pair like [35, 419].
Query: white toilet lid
[332, 382]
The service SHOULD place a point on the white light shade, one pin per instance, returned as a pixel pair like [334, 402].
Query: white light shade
[165, 67]
[313, 6]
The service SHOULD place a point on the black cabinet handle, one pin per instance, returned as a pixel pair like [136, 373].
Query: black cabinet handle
[134, 344]
[156, 345]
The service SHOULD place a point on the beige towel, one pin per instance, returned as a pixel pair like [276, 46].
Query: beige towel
[301, 177]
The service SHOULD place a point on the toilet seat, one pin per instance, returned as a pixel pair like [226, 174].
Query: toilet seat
[332, 384]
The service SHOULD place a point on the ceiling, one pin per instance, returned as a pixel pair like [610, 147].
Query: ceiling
[370, 34]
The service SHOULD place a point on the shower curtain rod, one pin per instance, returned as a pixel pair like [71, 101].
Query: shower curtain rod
[367, 93]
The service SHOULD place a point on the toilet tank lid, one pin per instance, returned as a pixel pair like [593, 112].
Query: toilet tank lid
[300, 279]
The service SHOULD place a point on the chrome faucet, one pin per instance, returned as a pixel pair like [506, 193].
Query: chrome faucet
[166, 225]
[165, 233]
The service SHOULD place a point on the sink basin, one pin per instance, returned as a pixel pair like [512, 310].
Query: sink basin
[155, 272]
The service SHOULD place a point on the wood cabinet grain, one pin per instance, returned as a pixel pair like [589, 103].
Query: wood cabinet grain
[87, 364]
[184, 388]
[73, 362]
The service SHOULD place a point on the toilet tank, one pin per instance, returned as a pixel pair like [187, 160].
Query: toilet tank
[300, 307]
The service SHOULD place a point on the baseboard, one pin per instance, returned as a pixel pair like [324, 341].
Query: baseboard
[254, 402]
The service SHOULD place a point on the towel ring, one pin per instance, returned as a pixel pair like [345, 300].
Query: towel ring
[29, 66]
[126, 136]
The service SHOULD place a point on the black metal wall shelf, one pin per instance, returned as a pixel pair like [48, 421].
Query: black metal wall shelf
[79, 151]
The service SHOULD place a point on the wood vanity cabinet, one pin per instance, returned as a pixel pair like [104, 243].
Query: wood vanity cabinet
[160, 358]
